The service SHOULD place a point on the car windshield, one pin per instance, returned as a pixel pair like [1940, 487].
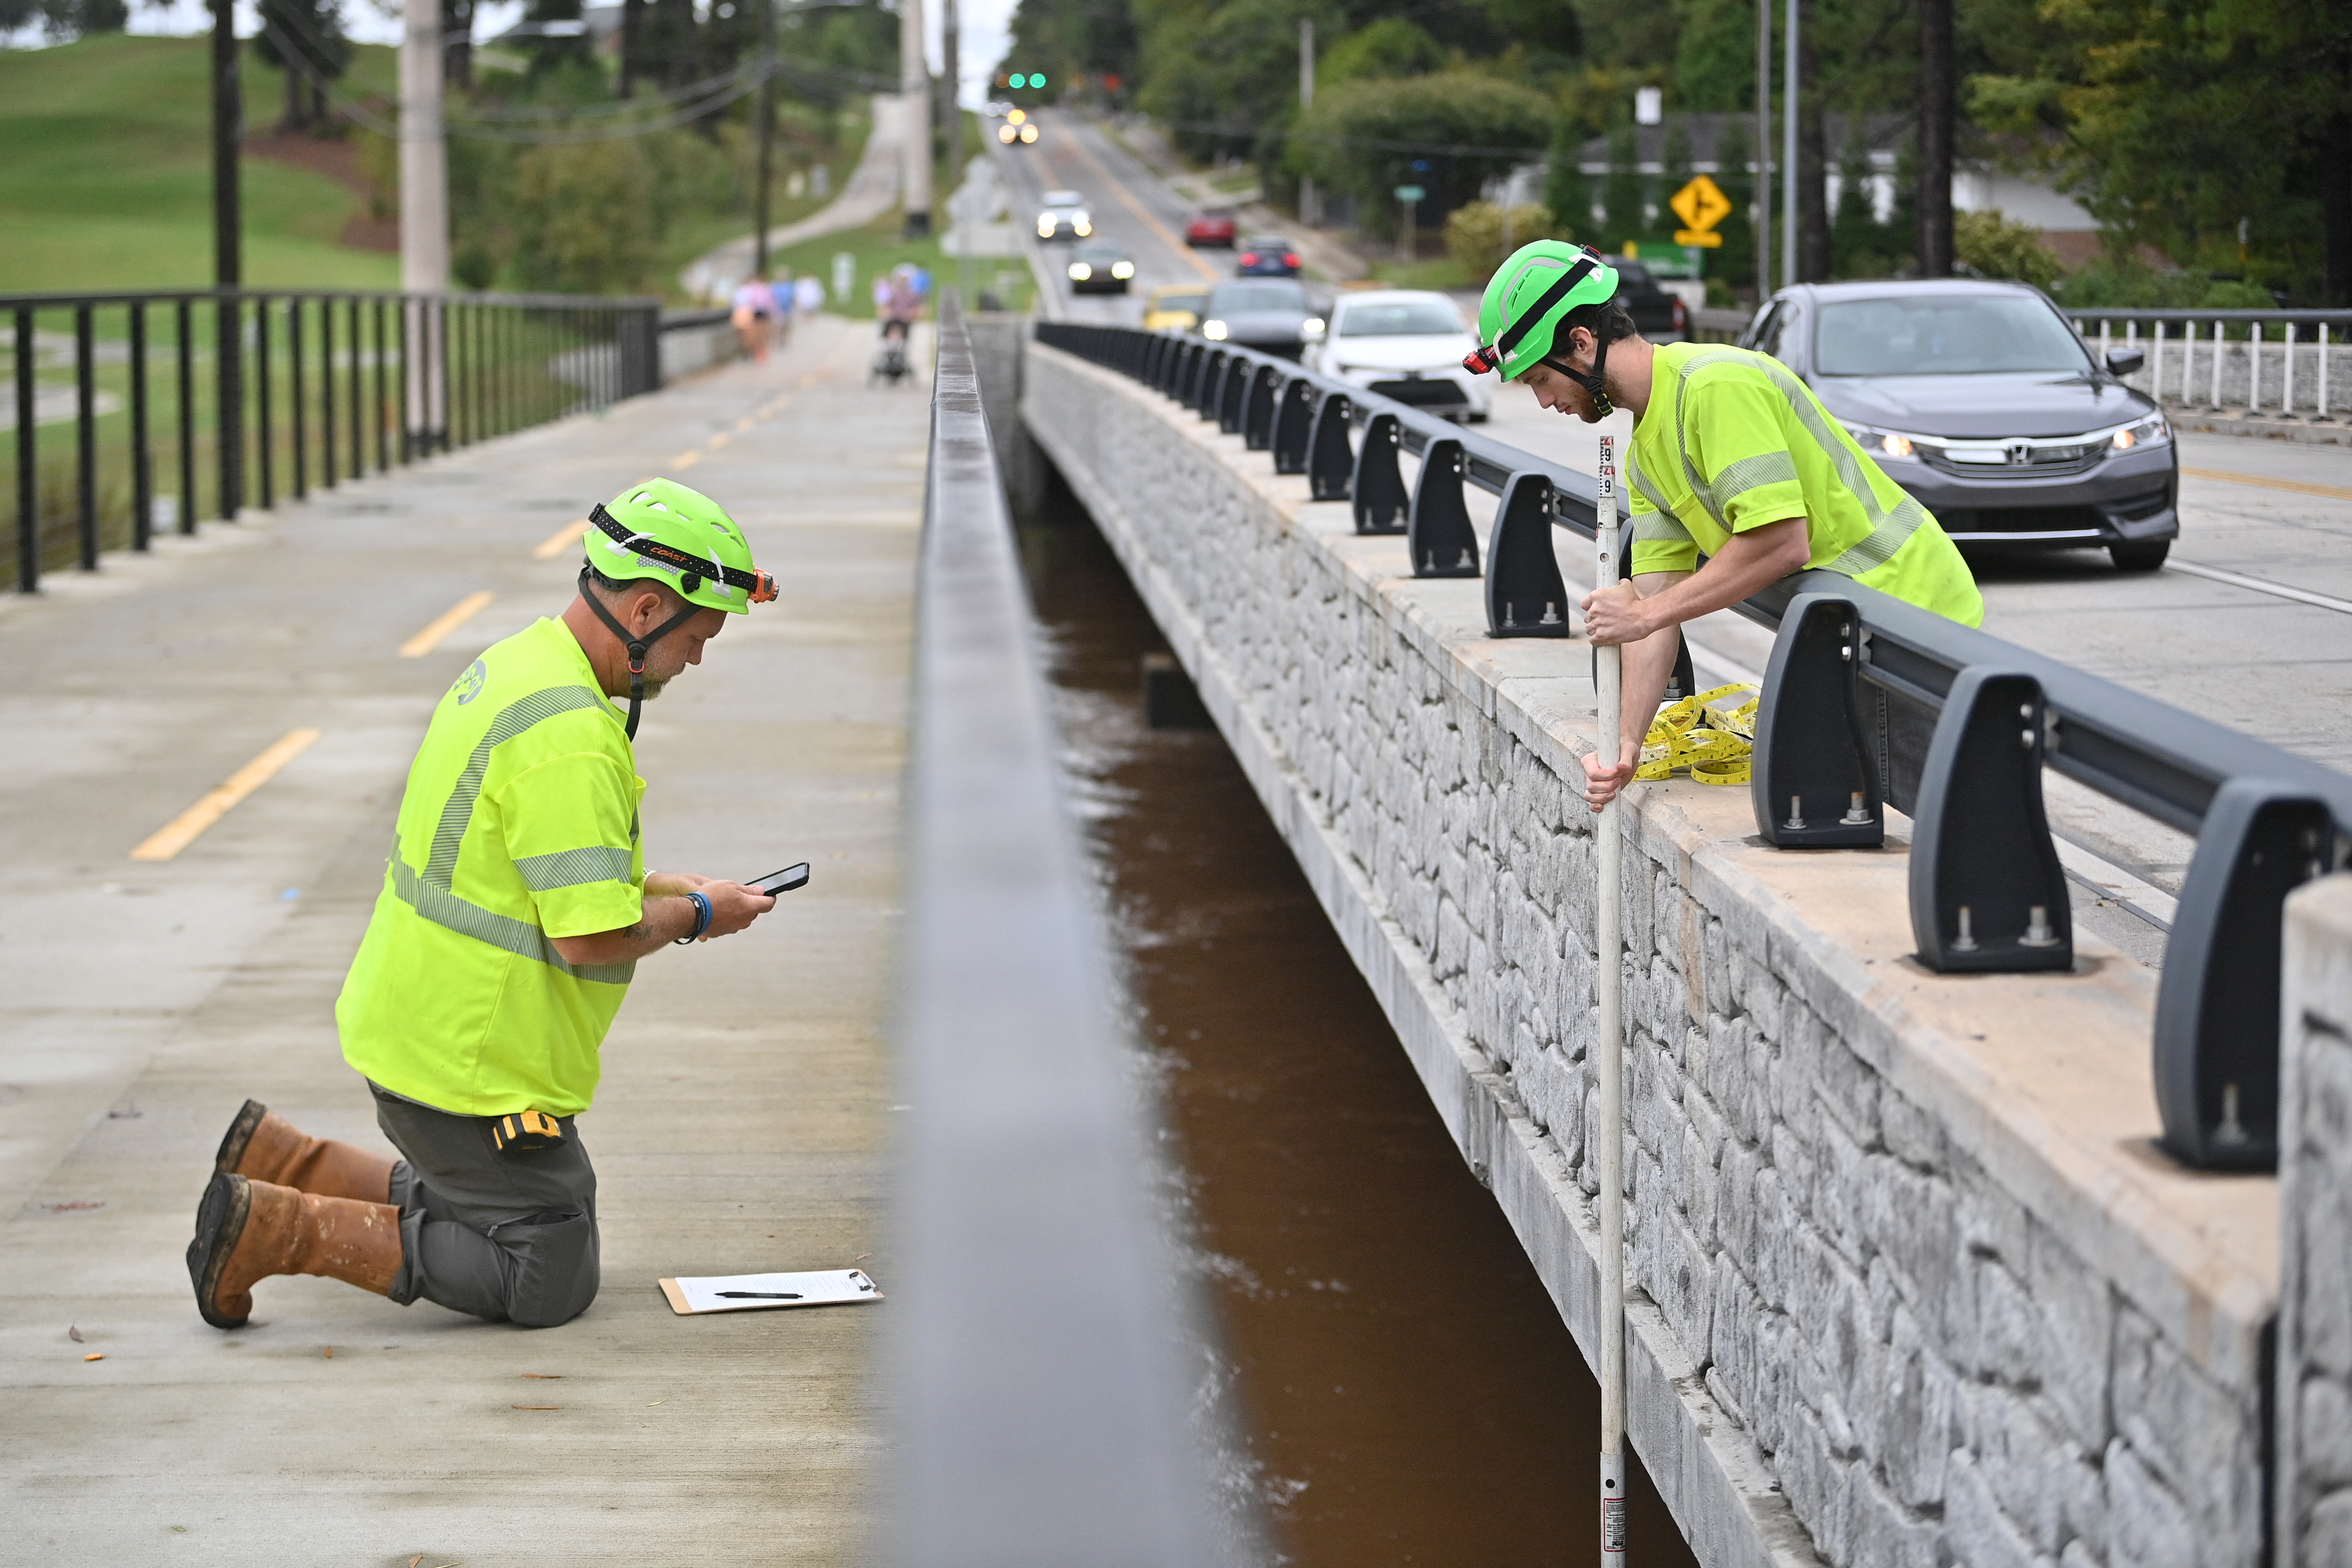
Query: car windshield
[1235, 299]
[1102, 253]
[1192, 302]
[1945, 334]
[1063, 198]
[1265, 242]
[1402, 318]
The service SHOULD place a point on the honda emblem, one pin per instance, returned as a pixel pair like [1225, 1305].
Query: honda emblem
[2020, 453]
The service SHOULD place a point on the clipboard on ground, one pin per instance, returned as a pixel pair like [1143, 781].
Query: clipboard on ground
[689, 1297]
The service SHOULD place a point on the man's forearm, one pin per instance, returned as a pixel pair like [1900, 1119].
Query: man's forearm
[1649, 664]
[662, 920]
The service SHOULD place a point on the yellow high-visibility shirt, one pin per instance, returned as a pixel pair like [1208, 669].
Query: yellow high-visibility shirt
[520, 824]
[1733, 440]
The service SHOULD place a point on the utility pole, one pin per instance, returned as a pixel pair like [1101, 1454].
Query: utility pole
[1938, 95]
[228, 261]
[1763, 152]
[1790, 88]
[914, 105]
[952, 91]
[1310, 209]
[424, 220]
[767, 138]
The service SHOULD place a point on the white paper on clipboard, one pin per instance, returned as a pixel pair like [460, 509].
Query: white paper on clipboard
[749, 1292]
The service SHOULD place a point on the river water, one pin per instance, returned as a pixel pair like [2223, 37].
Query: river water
[1405, 1390]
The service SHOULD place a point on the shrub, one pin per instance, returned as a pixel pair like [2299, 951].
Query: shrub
[585, 217]
[1991, 247]
[1474, 234]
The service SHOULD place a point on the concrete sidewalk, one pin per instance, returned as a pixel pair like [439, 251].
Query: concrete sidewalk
[743, 1108]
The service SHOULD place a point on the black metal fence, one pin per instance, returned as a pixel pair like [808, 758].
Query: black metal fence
[219, 399]
[1042, 1411]
[1868, 703]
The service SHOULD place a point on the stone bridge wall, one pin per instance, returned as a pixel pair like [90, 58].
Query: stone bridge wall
[1911, 1285]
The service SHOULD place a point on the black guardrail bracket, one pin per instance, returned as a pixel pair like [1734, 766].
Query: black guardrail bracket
[1231, 382]
[1258, 397]
[1987, 894]
[1437, 529]
[1294, 422]
[1812, 783]
[1526, 597]
[1378, 488]
[2217, 1004]
[1206, 386]
[1329, 464]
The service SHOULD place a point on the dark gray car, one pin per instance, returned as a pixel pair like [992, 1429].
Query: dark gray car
[1981, 399]
[1269, 314]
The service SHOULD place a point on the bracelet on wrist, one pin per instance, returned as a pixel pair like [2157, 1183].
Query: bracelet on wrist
[701, 920]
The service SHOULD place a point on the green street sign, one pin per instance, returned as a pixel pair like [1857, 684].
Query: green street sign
[1409, 193]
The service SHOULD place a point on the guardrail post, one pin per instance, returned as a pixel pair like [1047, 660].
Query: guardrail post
[1378, 485]
[1987, 894]
[1294, 422]
[1330, 465]
[1526, 597]
[1438, 535]
[1258, 396]
[1203, 398]
[2217, 1004]
[1231, 382]
[1812, 780]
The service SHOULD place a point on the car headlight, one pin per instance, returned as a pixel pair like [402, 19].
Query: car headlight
[1122, 268]
[1006, 134]
[1028, 133]
[1080, 272]
[2151, 431]
[1215, 331]
[1881, 443]
[1313, 326]
[1081, 228]
[1045, 228]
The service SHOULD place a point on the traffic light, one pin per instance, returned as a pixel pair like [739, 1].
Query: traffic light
[1021, 79]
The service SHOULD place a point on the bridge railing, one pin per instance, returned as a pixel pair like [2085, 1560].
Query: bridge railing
[2291, 364]
[255, 393]
[1034, 1370]
[1871, 703]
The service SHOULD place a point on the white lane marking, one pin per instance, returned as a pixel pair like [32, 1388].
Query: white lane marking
[2263, 585]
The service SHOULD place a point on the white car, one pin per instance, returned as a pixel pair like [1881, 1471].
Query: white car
[1405, 344]
[1064, 217]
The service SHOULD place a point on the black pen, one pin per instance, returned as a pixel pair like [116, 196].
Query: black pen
[760, 1295]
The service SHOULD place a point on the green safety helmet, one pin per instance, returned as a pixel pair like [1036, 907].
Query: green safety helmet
[663, 531]
[1526, 301]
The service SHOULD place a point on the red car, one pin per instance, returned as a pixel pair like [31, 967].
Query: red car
[1209, 227]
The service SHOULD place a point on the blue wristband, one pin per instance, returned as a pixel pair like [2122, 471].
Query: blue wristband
[701, 918]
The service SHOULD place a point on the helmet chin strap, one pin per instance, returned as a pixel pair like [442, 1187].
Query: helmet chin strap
[636, 645]
[1591, 384]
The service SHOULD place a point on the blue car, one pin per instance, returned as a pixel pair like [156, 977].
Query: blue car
[1265, 256]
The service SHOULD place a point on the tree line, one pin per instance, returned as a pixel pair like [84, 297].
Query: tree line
[2210, 140]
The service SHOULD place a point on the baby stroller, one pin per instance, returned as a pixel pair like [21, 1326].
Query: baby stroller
[890, 357]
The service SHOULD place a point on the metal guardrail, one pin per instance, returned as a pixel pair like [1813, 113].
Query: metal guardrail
[2219, 377]
[1871, 703]
[1043, 1415]
[266, 391]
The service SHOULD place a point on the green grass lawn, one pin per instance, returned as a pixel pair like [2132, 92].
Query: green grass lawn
[106, 175]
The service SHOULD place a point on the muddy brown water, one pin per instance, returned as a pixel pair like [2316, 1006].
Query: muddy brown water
[1406, 1388]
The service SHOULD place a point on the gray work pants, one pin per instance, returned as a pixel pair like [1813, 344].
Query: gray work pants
[506, 1237]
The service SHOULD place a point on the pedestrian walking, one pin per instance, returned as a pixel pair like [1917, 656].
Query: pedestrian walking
[514, 911]
[808, 295]
[1732, 455]
[781, 293]
[753, 312]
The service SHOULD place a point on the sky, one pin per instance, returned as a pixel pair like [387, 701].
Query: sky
[986, 29]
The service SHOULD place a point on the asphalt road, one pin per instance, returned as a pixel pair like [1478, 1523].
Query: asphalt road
[2249, 624]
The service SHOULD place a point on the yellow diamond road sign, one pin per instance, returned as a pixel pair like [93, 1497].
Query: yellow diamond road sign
[1701, 204]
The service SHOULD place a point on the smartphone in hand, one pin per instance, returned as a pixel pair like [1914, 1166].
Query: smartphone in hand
[782, 881]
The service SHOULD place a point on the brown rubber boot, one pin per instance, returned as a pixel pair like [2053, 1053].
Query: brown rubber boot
[264, 1146]
[248, 1230]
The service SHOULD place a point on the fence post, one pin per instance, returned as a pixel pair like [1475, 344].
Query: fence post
[86, 436]
[640, 342]
[28, 485]
[142, 460]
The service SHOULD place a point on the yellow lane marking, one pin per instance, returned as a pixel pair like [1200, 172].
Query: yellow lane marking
[1153, 223]
[222, 798]
[718, 440]
[447, 621]
[744, 424]
[562, 539]
[686, 460]
[2334, 492]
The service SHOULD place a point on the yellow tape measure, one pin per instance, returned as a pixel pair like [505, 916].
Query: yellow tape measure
[1707, 735]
